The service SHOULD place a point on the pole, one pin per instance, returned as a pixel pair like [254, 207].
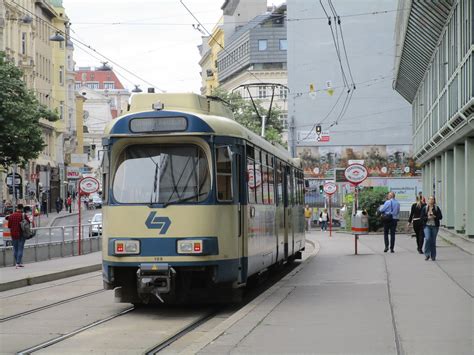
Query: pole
[14, 188]
[330, 216]
[79, 224]
[356, 206]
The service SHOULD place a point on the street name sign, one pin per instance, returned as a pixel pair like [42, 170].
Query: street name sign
[356, 173]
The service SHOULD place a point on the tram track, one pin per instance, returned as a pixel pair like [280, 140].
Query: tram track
[51, 305]
[71, 334]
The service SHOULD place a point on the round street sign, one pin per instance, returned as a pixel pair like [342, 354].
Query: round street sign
[330, 188]
[356, 173]
[89, 185]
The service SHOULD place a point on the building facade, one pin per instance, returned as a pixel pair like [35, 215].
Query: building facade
[371, 123]
[209, 51]
[434, 73]
[27, 30]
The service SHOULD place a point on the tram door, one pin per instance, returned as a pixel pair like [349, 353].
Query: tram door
[288, 198]
[239, 197]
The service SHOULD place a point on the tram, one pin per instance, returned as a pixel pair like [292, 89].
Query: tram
[194, 204]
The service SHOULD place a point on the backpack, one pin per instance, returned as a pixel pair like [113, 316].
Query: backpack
[25, 227]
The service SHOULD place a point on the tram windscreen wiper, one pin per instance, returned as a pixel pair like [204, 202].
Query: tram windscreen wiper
[155, 192]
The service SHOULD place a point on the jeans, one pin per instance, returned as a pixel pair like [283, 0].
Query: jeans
[431, 232]
[18, 246]
[390, 227]
[324, 225]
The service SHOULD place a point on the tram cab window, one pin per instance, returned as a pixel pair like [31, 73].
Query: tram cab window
[224, 173]
[164, 173]
[258, 177]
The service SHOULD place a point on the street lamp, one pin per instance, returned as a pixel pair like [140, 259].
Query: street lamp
[137, 89]
[57, 37]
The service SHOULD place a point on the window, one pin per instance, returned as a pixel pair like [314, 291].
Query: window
[258, 178]
[262, 44]
[61, 110]
[61, 75]
[23, 43]
[224, 174]
[168, 174]
[77, 85]
[262, 92]
[279, 181]
[283, 93]
[109, 86]
[92, 85]
[283, 45]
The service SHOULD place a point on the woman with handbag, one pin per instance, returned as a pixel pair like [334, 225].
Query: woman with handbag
[430, 217]
[415, 217]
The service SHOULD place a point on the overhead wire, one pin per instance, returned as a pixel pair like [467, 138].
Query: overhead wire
[86, 45]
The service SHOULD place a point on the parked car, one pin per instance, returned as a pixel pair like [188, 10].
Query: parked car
[96, 222]
[96, 201]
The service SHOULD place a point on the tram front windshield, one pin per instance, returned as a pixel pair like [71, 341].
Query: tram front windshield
[162, 174]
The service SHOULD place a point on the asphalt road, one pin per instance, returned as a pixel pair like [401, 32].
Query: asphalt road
[71, 230]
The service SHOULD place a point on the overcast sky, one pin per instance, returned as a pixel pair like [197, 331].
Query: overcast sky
[153, 39]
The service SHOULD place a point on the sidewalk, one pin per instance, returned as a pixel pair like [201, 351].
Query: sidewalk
[372, 303]
[463, 243]
[49, 270]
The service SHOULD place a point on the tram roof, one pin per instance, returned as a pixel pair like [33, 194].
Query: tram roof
[212, 112]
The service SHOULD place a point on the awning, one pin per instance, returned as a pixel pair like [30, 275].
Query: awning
[425, 24]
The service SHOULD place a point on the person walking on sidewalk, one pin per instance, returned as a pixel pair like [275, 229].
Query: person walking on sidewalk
[415, 217]
[308, 214]
[430, 217]
[69, 203]
[323, 217]
[59, 204]
[14, 223]
[390, 213]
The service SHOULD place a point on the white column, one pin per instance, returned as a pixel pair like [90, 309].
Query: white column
[469, 188]
[438, 178]
[448, 214]
[459, 186]
[442, 185]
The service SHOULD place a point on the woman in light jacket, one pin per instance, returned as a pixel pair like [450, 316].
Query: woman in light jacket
[430, 217]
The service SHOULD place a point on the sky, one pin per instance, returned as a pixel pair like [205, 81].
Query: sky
[153, 39]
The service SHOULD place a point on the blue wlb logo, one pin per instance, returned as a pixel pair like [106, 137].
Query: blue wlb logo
[162, 223]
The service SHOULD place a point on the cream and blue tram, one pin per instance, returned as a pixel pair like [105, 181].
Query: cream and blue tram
[193, 202]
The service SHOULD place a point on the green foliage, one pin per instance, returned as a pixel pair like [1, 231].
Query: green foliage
[370, 200]
[20, 111]
[245, 114]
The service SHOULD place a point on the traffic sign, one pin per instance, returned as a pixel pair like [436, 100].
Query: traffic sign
[88, 185]
[330, 188]
[356, 173]
[9, 179]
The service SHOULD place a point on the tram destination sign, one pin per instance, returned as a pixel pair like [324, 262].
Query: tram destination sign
[356, 173]
[88, 185]
[330, 188]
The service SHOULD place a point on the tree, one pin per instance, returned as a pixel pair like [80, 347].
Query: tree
[370, 200]
[245, 114]
[20, 112]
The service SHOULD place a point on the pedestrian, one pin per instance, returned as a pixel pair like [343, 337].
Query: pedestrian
[14, 221]
[430, 217]
[390, 213]
[69, 203]
[422, 198]
[308, 213]
[415, 217]
[323, 218]
[59, 204]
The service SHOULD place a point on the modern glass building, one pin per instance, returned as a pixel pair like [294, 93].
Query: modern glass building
[434, 73]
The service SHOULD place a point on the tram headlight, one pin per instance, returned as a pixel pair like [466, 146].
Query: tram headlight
[189, 246]
[126, 247]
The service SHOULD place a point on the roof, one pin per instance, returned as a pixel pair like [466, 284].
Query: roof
[210, 120]
[256, 21]
[420, 28]
[99, 76]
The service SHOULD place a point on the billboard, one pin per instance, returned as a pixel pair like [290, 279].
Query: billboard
[380, 160]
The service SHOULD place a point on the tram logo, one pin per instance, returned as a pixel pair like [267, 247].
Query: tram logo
[156, 222]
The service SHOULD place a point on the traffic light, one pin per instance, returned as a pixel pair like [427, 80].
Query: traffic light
[318, 129]
[321, 189]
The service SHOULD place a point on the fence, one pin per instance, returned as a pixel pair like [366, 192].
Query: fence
[56, 242]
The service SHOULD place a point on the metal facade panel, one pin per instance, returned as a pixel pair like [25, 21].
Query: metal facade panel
[426, 22]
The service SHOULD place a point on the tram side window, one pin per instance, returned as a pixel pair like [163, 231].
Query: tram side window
[258, 177]
[279, 180]
[265, 178]
[251, 180]
[224, 174]
[271, 186]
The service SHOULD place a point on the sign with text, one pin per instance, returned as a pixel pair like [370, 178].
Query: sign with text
[73, 173]
[330, 188]
[88, 185]
[79, 158]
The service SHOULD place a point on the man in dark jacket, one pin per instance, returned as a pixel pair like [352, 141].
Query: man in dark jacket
[14, 223]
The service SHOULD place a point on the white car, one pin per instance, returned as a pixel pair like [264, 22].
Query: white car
[96, 222]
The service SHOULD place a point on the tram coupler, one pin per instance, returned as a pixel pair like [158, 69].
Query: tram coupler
[155, 279]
